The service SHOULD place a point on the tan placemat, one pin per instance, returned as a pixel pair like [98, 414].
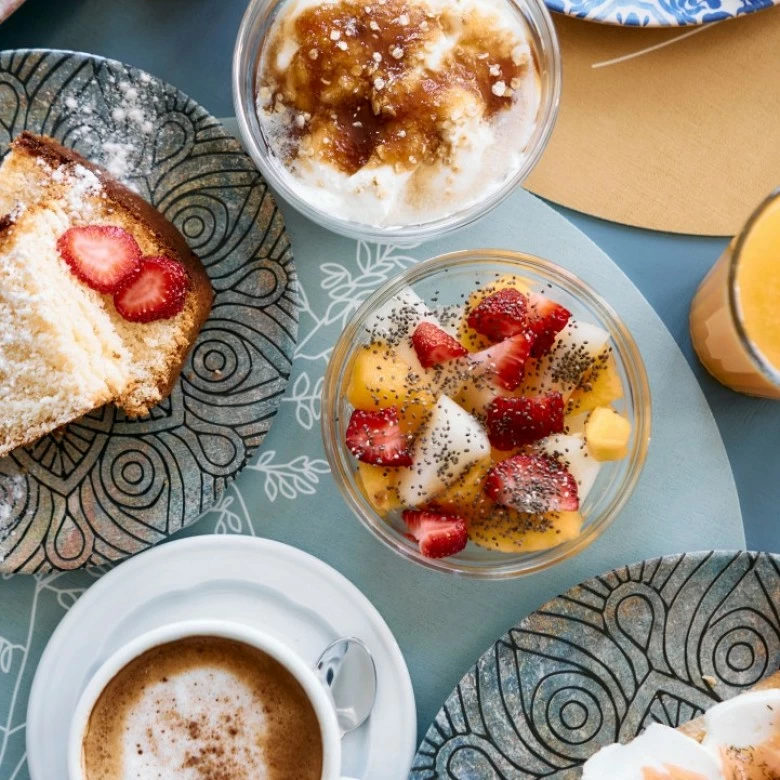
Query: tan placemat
[664, 129]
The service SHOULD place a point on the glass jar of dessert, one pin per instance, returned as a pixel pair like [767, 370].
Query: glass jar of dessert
[735, 315]
[486, 413]
[396, 119]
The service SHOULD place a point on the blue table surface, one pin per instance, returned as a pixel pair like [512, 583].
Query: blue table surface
[189, 43]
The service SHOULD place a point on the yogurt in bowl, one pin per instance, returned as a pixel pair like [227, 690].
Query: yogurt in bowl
[394, 112]
[397, 118]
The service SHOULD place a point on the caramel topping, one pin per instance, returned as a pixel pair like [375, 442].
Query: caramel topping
[386, 82]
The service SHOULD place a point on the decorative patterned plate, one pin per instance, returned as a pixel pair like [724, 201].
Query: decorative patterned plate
[661, 640]
[658, 13]
[107, 487]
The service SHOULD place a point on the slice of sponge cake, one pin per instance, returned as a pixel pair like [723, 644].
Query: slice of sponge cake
[64, 348]
[60, 355]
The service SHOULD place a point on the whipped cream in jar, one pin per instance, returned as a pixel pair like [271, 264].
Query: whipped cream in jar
[399, 118]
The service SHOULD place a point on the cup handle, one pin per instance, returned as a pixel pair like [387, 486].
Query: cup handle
[353, 713]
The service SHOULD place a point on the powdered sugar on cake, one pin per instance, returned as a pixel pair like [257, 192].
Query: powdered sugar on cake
[78, 185]
[65, 346]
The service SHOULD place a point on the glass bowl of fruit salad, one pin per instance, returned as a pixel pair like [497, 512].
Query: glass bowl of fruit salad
[486, 413]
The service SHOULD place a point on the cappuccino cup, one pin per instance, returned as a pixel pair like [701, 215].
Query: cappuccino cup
[201, 699]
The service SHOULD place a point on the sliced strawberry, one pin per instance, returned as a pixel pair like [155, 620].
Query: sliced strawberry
[376, 437]
[500, 315]
[546, 319]
[102, 256]
[155, 292]
[532, 483]
[506, 360]
[438, 535]
[515, 422]
[434, 346]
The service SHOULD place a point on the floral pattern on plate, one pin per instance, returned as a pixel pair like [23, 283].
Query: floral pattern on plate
[657, 13]
[107, 487]
[657, 641]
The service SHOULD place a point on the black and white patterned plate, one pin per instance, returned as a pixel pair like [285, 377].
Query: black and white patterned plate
[107, 487]
[661, 640]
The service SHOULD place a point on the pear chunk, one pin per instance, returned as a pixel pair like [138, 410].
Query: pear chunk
[449, 442]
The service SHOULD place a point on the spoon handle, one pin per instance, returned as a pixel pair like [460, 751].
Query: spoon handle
[337, 656]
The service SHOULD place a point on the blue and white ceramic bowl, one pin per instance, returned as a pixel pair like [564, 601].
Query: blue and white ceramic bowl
[657, 13]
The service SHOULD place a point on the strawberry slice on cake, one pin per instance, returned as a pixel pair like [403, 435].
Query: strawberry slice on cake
[102, 256]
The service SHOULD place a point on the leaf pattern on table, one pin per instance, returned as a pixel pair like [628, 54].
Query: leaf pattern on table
[306, 397]
[231, 513]
[299, 476]
[47, 596]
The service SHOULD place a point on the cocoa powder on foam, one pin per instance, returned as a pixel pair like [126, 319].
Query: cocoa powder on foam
[254, 721]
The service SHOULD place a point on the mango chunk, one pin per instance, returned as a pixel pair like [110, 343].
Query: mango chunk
[607, 434]
[379, 379]
[600, 387]
[508, 531]
[380, 486]
[467, 336]
[465, 496]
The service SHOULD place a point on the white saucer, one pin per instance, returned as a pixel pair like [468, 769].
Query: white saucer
[265, 584]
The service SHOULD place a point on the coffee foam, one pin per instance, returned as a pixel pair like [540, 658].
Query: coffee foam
[203, 707]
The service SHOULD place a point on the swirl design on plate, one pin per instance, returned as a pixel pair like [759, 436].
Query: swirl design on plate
[658, 13]
[107, 487]
[598, 664]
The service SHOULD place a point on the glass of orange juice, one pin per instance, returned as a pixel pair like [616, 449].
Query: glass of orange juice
[735, 315]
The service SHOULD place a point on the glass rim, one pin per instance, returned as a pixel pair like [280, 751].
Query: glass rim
[520, 564]
[544, 41]
[770, 372]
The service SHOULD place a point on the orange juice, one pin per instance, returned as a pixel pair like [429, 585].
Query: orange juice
[735, 315]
